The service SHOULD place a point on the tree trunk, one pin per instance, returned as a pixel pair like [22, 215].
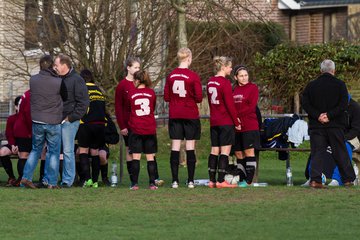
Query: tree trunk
[297, 103]
[179, 5]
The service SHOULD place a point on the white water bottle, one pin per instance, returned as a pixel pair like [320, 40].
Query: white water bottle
[289, 178]
[356, 170]
[114, 178]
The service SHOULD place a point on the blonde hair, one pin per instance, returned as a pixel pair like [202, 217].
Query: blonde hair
[221, 61]
[183, 53]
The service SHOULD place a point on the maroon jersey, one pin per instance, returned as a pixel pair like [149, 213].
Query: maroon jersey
[142, 106]
[245, 98]
[222, 108]
[9, 132]
[122, 106]
[23, 123]
[182, 91]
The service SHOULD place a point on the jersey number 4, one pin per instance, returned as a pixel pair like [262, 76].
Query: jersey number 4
[179, 88]
[213, 92]
[144, 107]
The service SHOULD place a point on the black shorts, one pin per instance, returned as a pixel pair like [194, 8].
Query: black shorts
[126, 140]
[189, 129]
[24, 144]
[246, 140]
[142, 143]
[91, 135]
[8, 146]
[106, 149]
[222, 135]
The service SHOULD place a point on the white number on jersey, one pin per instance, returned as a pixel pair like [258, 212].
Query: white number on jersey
[144, 107]
[213, 92]
[179, 88]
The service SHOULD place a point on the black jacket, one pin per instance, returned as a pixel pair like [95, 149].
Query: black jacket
[326, 94]
[353, 120]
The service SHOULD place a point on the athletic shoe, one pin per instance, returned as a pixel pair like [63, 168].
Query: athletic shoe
[64, 185]
[95, 185]
[333, 183]
[42, 185]
[212, 184]
[134, 187]
[225, 184]
[53, 187]
[17, 182]
[306, 184]
[88, 183]
[10, 182]
[106, 182]
[28, 184]
[153, 187]
[191, 184]
[159, 182]
[243, 184]
[175, 184]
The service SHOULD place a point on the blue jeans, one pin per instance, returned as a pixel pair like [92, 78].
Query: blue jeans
[51, 133]
[69, 130]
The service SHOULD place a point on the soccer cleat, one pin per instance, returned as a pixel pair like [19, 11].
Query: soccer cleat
[159, 182]
[95, 185]
[10, 182]
[175, 184]
[106, 182]
[191, 184]
[134, 187]
[306, 184]
[212, 184]
[225, 184]
[243, 184]
[153, 187]
[333, 183]
[88, 183]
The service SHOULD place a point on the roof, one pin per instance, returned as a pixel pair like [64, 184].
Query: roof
[310, 4]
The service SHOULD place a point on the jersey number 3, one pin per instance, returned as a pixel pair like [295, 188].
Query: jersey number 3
[179, 88]
[144, 107]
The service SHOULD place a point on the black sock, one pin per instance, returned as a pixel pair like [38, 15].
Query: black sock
[104, 171]
[135, 171]
[151, 167]
[174, 165]
[7, 165]
[212, 166]
[42, 170]
[156, 169]
[241, 166]
[250, 169]
[129, 168]
[61, 162]
[95, 166]
[78, 170]
[20, 166]
[84, 166]
[191, 164]
[223, 164]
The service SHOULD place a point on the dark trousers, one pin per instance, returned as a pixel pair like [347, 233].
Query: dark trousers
[320, 139]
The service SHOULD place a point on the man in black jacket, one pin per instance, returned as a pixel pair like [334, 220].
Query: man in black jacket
[74, 109]
[325, 100]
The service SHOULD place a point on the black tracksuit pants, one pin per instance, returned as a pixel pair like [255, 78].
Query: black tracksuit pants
[320, 139]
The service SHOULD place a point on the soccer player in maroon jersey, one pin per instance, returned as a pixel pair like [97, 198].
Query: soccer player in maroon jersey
[223, 119]
[142, 124]
[183, 91]
[246, 95]
[122, 106]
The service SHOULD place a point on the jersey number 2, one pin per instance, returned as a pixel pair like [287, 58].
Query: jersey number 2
[213, 92]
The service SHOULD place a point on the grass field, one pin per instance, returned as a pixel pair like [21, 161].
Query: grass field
[273, 212]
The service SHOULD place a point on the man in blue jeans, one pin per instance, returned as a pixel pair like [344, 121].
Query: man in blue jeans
[74, 109]
[47, 95]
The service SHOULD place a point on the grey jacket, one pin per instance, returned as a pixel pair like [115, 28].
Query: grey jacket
[78, 100]
[46, 98]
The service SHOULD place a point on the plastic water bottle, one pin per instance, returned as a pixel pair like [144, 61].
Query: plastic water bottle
[289, 178]
[356, 170]
[114, 177]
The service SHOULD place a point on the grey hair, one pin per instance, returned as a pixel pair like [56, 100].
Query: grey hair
[327, 66]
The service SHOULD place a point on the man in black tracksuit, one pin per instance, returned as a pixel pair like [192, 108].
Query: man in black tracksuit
[325, 100]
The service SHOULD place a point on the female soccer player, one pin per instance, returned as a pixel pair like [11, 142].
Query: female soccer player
[183, 91]
[246, 95]
[223, 118]
[142, 134]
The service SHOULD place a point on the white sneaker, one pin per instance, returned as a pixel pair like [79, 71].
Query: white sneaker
[333, 183]
[174, 184]
[191, 185]
[306, 184]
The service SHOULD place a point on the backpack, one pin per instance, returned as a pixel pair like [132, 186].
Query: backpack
[111, 133]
